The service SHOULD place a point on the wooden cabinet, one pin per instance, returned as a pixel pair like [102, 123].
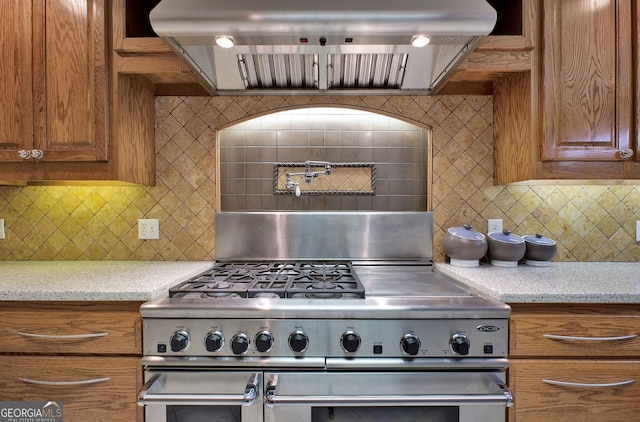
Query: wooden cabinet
[594, 397]
[508, 49]
[572, 116]
[586, 80]
[63, 98]
[139, 51]
[54, 61]
[100, 389]
[574, 362]
[85, 355]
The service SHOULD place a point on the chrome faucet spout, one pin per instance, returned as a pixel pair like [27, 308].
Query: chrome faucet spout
[310, 174]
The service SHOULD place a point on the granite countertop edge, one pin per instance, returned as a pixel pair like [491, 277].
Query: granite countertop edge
[560, 282]
[93, 280]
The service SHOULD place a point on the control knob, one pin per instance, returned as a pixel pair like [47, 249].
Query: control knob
[350, 341]
[410, 344]
[460, 344]
[180, 341]
[264, 341]
[240, 344]
[298, 341]
[214, 341]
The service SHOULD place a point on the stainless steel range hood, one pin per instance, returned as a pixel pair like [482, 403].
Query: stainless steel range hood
[322, 46]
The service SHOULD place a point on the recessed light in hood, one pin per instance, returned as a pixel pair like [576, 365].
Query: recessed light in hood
[329, 46]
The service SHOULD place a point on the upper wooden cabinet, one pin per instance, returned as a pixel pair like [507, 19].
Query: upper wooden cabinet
[68, 115]
[586, 80]
[54, 78]
[508, 49]
[139, 51]
[572, 116]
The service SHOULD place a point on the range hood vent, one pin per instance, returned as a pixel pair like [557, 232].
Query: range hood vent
[327, 47]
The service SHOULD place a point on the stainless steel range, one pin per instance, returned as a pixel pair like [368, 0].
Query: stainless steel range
[324, 316]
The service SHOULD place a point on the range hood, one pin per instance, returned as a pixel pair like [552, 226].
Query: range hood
[322, 46]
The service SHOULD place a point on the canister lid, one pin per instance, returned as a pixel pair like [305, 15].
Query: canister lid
[466, 232]
[539, 239]
[506, 236]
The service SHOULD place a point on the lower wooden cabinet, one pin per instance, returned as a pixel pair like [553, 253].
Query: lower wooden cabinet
[596, 390]
[93, 389]
[574, 362]
[83, 354]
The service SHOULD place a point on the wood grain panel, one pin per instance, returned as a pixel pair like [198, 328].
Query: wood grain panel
[512, 160]
[16, 107]
[72, 91]
[586, 79]
[528, 326]
[535, 401]
[123, 326]
[107, 401]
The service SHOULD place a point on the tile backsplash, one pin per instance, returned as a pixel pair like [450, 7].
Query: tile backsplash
[249, 150]
[590, 223]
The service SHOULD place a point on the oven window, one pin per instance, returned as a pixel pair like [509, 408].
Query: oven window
[203, 414]
[385, 414]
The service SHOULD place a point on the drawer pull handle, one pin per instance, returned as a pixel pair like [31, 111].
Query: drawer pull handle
[579, 384]
[64, 383]
[572, 338]
[62, 337]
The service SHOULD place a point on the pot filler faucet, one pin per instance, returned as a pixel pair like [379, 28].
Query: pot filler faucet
[308, 174]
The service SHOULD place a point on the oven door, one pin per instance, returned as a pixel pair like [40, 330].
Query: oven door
[212, 396]
[390, 396]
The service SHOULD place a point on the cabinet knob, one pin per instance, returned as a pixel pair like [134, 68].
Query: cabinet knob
[37, 154]
[626, 153]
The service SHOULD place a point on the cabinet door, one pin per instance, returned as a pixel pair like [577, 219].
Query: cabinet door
[16, 104]
[99, 389]
[587, 80]
[598, 390]
[563, 334]
[70, 79]
[71, 332]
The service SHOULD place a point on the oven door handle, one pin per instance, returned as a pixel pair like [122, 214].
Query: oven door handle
[146, 396]
[504, 398]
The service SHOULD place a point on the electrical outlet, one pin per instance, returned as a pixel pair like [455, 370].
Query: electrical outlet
[494, 225]
[1, 228]
[148, 228]
[638, 231]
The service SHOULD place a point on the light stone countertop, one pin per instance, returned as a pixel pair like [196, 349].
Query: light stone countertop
[561, 282]
[93, 280]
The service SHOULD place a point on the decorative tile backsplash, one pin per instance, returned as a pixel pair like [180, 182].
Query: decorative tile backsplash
[400, 151]
[590, 223]
[345, 179]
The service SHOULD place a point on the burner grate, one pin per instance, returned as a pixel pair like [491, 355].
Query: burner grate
[323, 279]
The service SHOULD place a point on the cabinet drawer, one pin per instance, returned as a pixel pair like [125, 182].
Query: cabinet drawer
[537, 400]
[77, 329]
[577, 332]
[109, 394]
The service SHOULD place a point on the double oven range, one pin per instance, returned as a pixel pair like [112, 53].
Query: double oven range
[324, 316]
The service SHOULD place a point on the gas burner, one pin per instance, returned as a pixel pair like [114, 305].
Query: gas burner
[324, 285]
[326, 279]
[222, 294]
